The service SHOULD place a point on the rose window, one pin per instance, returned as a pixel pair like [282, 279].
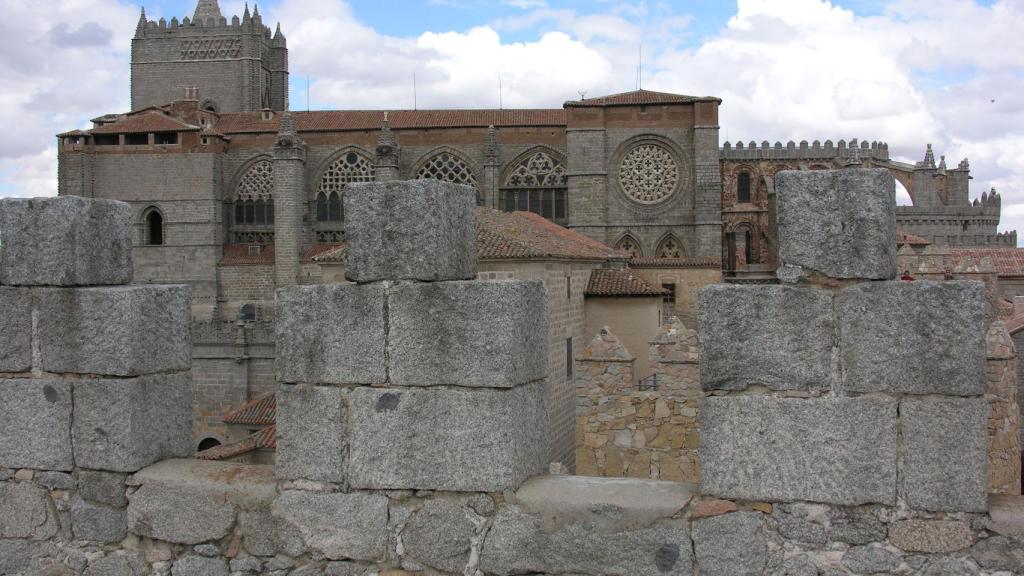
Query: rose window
[648, 174]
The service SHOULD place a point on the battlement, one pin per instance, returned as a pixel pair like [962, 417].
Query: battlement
[854, 149]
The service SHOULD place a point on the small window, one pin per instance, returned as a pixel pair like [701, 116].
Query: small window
[334, 207]
[205, 141]
[568, 357]
[670, 293]
[208, 443]
[743, 187]
[166, 138]
[247, 313]
[568, 287]
[321, 207]
[136, 139]
[107, 140]
[154, 228]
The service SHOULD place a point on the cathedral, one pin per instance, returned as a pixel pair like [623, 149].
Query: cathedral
[224, 179]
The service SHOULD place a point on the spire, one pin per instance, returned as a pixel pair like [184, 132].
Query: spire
[206, 9]
[491, 145]
[387, 153]
[929, 158]
[386, 138]
[942, 167]
[279, 41]
[246, 16]
[141, 28]
[256, 10]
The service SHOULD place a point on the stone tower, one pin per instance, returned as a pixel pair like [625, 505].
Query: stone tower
[235, 67]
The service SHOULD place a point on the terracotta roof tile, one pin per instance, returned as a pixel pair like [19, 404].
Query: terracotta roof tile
[241, 255]
[914, 240]
[265, 439]
[144, 123]
[652, 262]
[639, 97]
[619, 282]
[327, 253]
[259, 412]
[1007, 261]
[342, 120]
[525, 235]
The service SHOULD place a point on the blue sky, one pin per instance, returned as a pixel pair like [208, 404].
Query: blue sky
[908, 72]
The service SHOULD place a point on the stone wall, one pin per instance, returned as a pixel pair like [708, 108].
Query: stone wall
[649, 431]
[1004, 448]
[396, 460]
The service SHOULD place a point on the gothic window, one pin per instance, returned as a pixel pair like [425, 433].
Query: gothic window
[630, 246]
[537, 184]
[154, 223]
[350, 167]
[743, 187]
[253, 221]
[670, 248]
[449, 168]
[648, 174]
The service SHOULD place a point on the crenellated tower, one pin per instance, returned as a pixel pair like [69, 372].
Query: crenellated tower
[236, 66]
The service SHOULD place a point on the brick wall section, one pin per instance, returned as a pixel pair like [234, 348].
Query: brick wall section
[1004, 448]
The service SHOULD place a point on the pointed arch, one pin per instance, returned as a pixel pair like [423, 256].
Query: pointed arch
[670, 247]
[536, 181]
[251, 202]
[344, 166]
[153, 226]
[630, 245]
[447, 164]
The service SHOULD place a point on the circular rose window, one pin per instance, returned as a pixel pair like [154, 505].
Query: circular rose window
[648, 174]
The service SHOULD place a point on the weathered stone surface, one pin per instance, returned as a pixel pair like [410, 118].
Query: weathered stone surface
[344, 569]
[730, 544]
[16, 326]
[833, 450]
[331, 334]
[711, 508]
[490, 334]
[124, 425]
[35, 424]
[410, 230]
[97, 522]
[118, 564]
[440, 535]
[1000, 553]
[840, 223]
[200, 566]
[447, 439]
[259, 532]
[913, 337]
[871, 560]
[179, 513]
[339, 526]
[311, 435]
[945, 453]
[247, 564]
[115, 331]
[776, 336]
[65, 241]
[55, 480]
[102, 487]
[610, 504]
[932, 536]
[950, 566]
[15, 556]
[26, 512]
[518, 543]
[818, 524]
[1007, 514]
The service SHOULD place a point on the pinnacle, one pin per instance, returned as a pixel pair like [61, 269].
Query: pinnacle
[206, 9]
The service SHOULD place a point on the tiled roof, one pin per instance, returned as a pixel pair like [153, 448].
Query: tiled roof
[1007, 261]
[528, 236]
[144, 123]
[914, 240]
[638, 97]
[619, 282]
[259, 412]
[327, 253]
[341, 120]
[265, 439]
[652, 262]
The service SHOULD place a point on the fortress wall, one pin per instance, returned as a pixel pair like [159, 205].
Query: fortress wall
[395, 458]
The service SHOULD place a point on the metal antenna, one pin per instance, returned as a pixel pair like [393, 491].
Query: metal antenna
[500, 103]
[414, 98]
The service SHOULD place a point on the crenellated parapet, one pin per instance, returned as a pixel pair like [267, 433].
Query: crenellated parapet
[854, 149]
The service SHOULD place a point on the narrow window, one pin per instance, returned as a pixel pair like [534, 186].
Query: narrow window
[166, 138]
[568, 357]
[524, 199]
[743, 187]
[247, 313]
[239, 212]
[535, 201]
[548, 210]
[749, 248]
[561, 206]
[270, 211]
[321, 207]
[568, 287]
[250, 212]
[334, 207]
[155, 228]
[261, 212]
[670, 293]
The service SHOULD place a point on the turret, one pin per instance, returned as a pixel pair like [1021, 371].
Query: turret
[279, 39]
[289, 192]
[140, 29]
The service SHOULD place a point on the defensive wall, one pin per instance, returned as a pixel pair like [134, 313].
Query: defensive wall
[825, 448]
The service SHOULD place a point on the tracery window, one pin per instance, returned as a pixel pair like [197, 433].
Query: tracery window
[537, 184]
[670, 248]
[253, 205]
[630, 246]
[350, 167]
[449, 168]
[648, 174]
[743, 187]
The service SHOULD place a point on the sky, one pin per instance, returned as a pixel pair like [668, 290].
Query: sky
[907, 72]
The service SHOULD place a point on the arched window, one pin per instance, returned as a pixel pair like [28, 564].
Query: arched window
[537, 184]
[670, 248]
[154, 222]
[743, 187]
[247, 313]
[253, 210]
[449, 168]
[630, 246]
[208, 443]
[349, 167]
